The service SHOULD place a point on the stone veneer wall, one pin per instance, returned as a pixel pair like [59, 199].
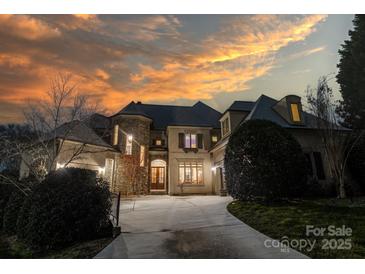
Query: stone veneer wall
[128, 166]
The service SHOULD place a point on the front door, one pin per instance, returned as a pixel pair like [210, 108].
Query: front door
[157, 178]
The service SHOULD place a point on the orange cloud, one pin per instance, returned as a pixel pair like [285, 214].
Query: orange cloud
[27, 27]
[145, 58]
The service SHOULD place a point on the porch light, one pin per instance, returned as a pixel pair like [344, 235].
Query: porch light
[101, 170]
[58, 166]
[130, 137]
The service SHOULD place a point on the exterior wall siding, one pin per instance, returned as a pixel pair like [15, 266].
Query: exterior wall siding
[177, 154]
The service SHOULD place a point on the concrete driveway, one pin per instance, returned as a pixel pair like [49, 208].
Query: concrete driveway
[186, 227]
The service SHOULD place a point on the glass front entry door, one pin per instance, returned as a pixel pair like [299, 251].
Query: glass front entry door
[157, 178]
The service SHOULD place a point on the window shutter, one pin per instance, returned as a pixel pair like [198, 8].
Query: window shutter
[200, 140]
[181, 140]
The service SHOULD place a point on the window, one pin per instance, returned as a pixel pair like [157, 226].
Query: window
[190, 140]
[225, 127]
[214, 138]
[115, 135]
[319, 165]
[309, 163]
[128, 147]
[158, 142]
[295, 112]
[108, 169]
[141, 156]
[191, 172]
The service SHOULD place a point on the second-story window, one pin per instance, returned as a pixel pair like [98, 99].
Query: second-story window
[295, 112]
[214, 138]
[128, 146]
[141, 156]
[115, 135]
[158, 142]
[225, 126]
[188, 140]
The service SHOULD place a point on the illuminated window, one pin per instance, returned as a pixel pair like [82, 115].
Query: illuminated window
[214, 138]
[190, 141]
[191, 172]
[128, 147]
[115, 135]
[108, 169]
[225, 127]
[295, 112]
[141, 156]
[158, 142]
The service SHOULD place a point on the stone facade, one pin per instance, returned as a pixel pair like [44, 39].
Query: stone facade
[131, 178]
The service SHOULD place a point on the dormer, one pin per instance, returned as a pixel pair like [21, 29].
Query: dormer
[225, 124]
[290, 108]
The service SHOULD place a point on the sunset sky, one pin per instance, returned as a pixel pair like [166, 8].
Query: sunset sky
[169, 59]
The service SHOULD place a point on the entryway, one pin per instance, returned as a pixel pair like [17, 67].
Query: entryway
[158, 175]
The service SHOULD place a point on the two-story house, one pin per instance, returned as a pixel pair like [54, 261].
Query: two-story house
[164, 149]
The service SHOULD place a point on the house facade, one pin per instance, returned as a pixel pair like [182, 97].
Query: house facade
[175, 150]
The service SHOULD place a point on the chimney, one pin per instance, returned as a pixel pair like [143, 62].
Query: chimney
[139, 102]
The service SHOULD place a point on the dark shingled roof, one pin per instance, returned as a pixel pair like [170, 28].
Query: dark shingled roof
[263, 109]
[199, 115]
[98, 121]
[241, 106]
[80, 132]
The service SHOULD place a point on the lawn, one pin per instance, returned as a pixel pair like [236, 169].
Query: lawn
[10, 248]
[291, 218]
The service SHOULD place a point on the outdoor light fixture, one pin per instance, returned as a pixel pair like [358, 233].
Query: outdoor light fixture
[130, 137]
[58, 166]
[101, 170]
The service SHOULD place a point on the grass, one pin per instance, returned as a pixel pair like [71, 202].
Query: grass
[11, 248]
[291, 218]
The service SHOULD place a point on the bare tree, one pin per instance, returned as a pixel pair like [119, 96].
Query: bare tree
[337, 140]
[51, 121]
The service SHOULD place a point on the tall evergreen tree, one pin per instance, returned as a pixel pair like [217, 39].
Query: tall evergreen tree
[351, 76]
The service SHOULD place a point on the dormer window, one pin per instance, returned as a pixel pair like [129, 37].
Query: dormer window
[295, 112]
[225, 126]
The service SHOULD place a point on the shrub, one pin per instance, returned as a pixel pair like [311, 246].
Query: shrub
[11, 211]
[356, 163]
[263, 160]
[70, 205]
[5, 193]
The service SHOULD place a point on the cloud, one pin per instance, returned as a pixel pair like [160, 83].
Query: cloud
[26, 27]
[117, 59]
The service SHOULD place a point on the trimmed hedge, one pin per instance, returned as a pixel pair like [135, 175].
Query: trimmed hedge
[70, 205]
[263, 160]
